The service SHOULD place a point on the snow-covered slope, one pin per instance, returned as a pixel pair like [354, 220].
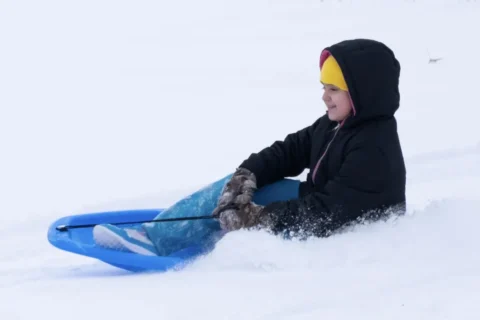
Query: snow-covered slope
[114, 105]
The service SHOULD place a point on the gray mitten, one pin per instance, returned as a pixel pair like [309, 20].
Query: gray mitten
[246, 216]
[235, 208]
[238, 191]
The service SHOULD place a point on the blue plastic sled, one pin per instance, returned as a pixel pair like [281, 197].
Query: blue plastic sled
[81, 241]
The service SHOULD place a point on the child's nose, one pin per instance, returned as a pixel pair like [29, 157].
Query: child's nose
[325, 96]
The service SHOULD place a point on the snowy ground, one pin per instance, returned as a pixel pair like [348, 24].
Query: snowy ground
[117, 105]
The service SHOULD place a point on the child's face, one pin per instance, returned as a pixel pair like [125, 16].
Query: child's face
[338, 103]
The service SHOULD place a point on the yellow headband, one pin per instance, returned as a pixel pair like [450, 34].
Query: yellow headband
[332, 74]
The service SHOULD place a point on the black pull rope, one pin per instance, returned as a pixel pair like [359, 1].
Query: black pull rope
[63, 228]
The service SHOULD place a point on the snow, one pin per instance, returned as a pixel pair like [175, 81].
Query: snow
[109, 105]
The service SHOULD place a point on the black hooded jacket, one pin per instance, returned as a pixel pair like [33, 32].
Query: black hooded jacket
[362, 174]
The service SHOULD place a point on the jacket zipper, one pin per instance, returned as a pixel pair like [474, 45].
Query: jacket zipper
[325, 152]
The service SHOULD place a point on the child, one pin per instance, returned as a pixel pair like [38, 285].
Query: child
[357, 170]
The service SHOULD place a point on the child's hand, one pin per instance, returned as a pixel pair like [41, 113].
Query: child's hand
[238, 191]
[245, 216]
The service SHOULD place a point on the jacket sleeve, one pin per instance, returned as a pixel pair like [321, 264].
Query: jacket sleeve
[287, 158]
[358, 187]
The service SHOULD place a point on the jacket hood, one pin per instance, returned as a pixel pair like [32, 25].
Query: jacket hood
[372, 74]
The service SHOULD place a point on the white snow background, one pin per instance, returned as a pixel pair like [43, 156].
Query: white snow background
[108, 105]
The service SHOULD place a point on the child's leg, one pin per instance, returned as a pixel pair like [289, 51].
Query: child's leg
[164, 238]
[172, 236]
[283, 190]
[169, 237]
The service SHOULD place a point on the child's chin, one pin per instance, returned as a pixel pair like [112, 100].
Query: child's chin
[332, 116]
